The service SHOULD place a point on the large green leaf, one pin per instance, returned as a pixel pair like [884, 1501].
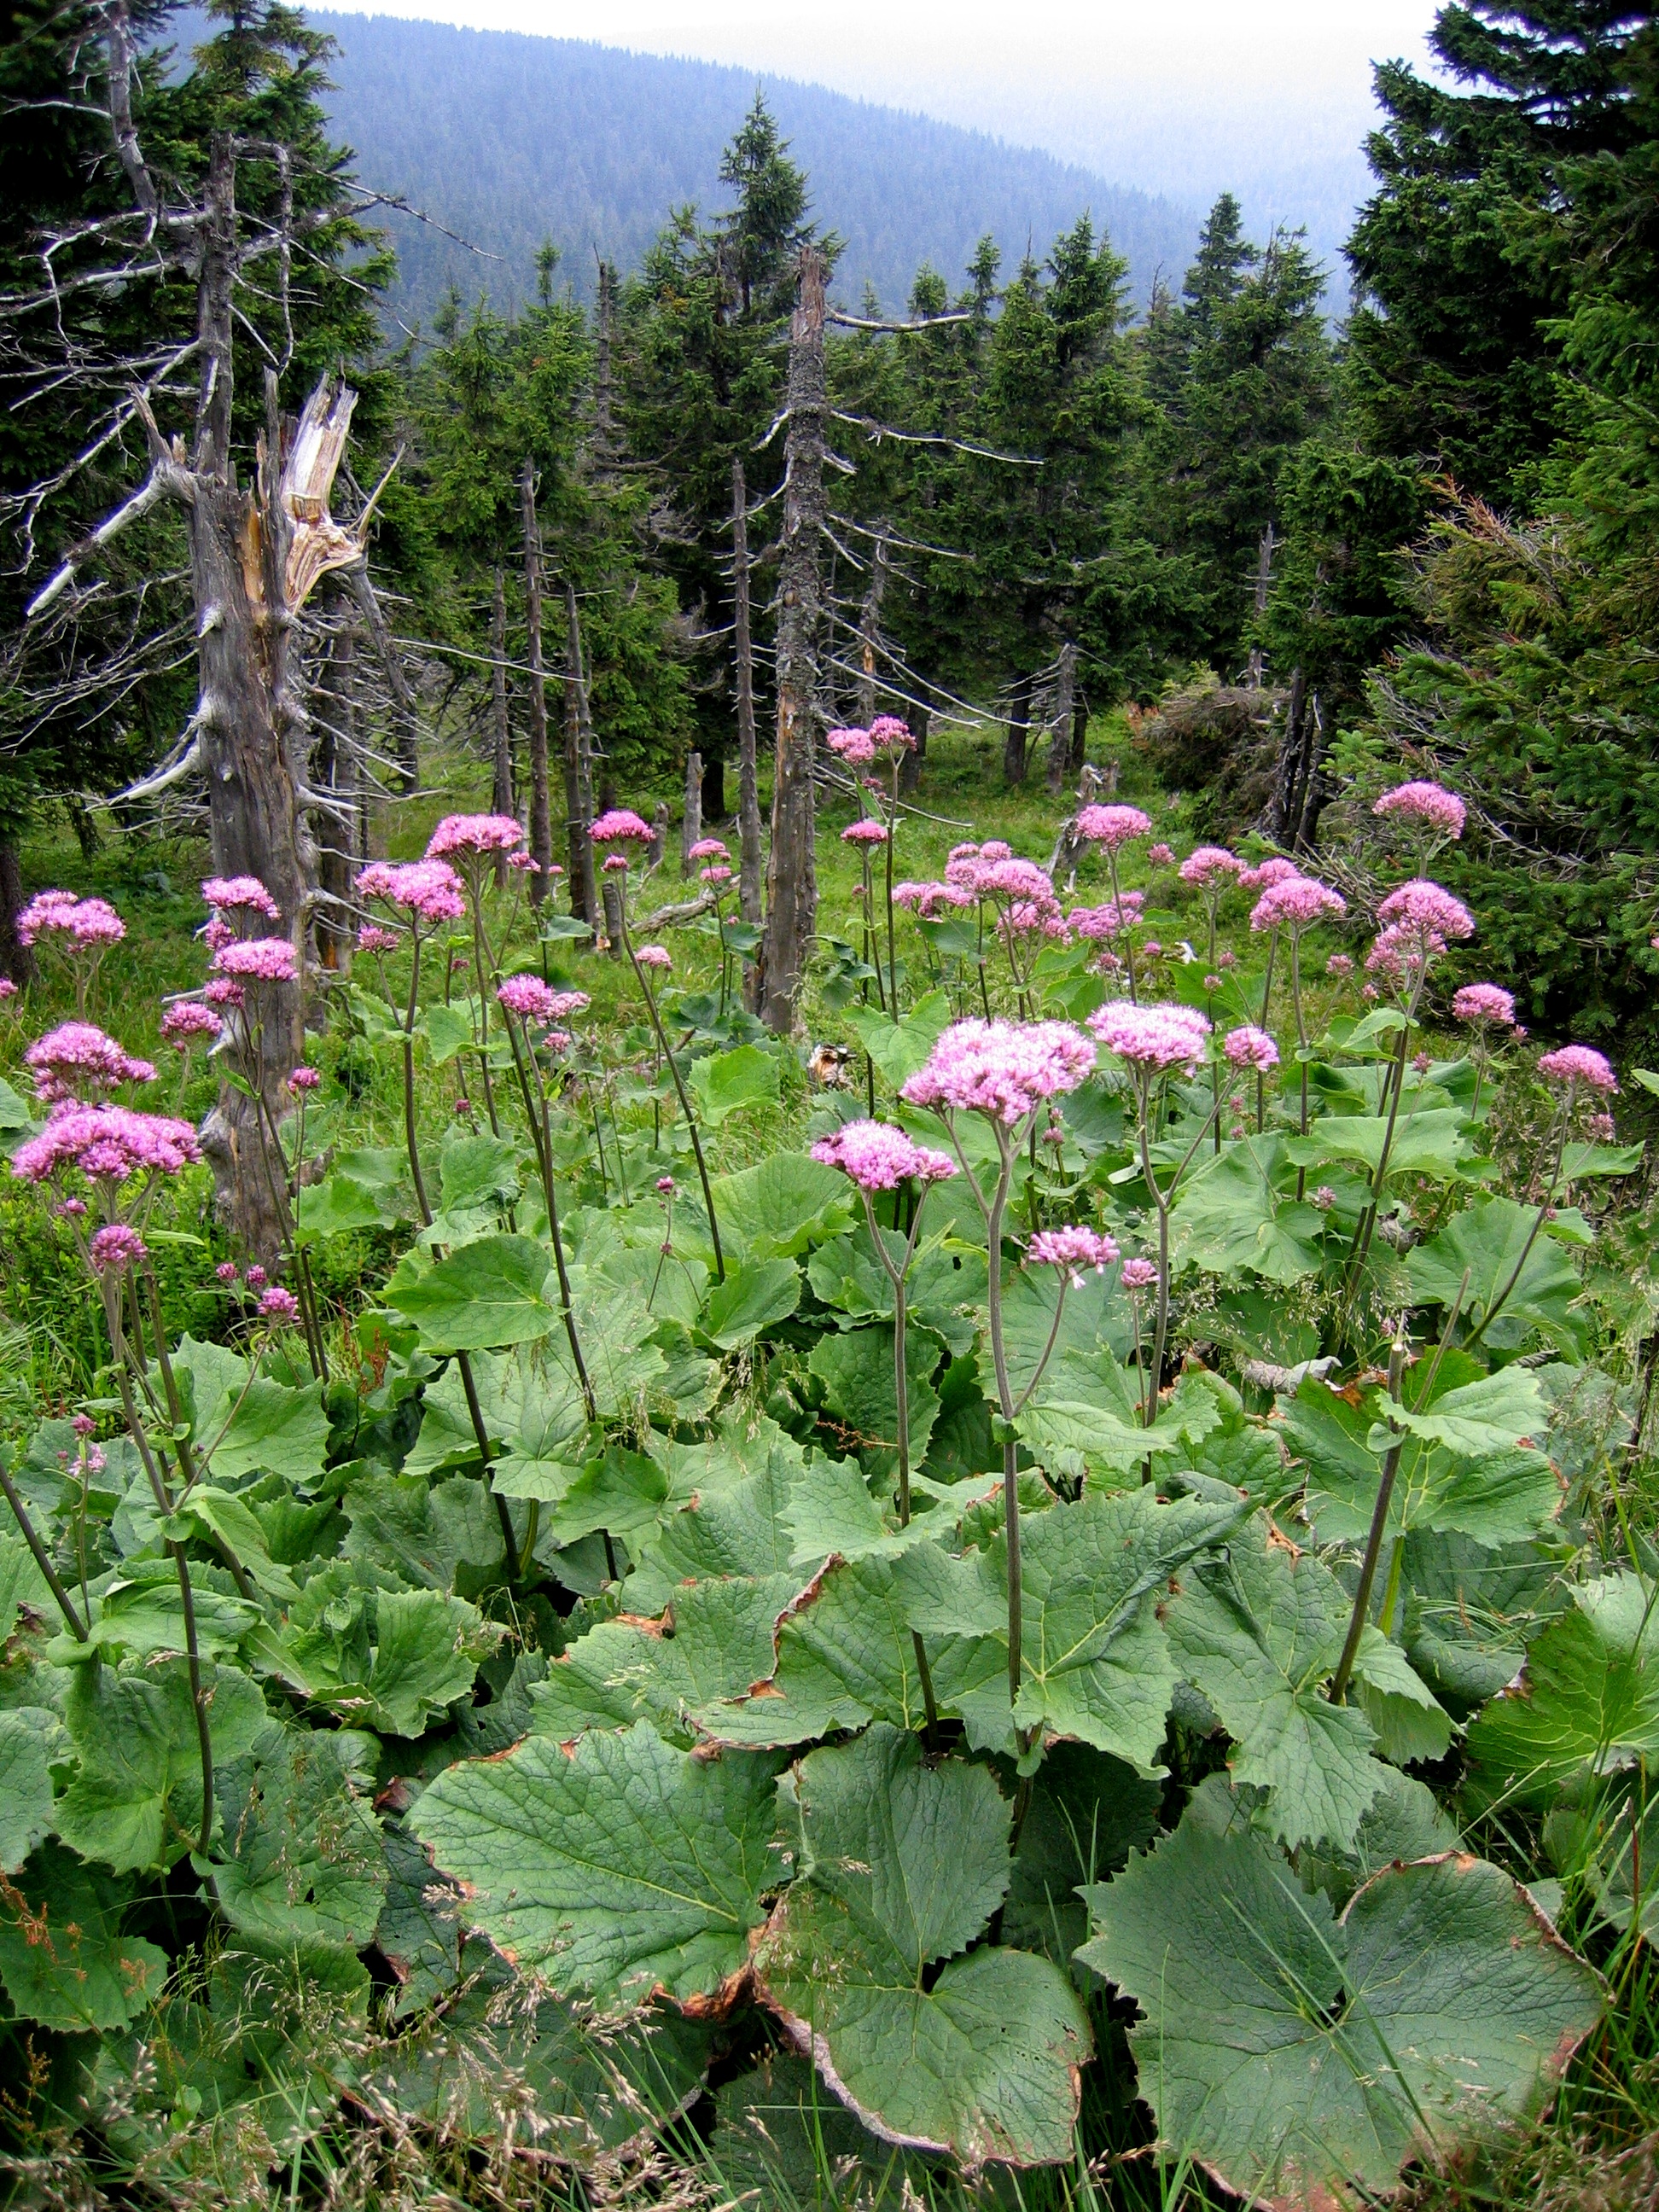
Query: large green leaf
[1258, 1633]
[479, 1173]
[856, 1368]
[777, 1208]
[848, 1274]
[1086, 1813]
[751, 1299]
[26, 1738]
[1587, 1703]
[22, 1582]
[442, 1535]
[725, 1083]
[223, 1515]
[63, 1960]
[626, 1864]
[140, 1613]
[1229, 1215]
[267, 1425]
[834, 1516]
[714, 1643]
[899, 1863]
[845, 1656]
[499, 1291]
[302, 1862]
[900, 1047]
[1479, 1418]
[782, 2138]
[378, 1655]
[1296, 2056]
[1471, 1612]
[137, 1801]
[1432, 1144]
[1094, 1656]
[1488, 1239]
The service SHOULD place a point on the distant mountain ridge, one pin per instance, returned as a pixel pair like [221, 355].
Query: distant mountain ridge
[508, 140]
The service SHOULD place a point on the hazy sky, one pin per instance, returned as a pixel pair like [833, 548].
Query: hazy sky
[1177, 96]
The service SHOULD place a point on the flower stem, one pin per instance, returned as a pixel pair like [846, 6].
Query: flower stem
[685, 1105]
[1362, 1598]
[72, 1619]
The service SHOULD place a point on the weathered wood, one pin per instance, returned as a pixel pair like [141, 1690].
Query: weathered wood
[1060, 736]
[691, 819]
[791, 890]
[910, 765]
[501, 795]
[1264, 577]
[749, 828]
[612, 895]
[870, 634]
[578, 768]
[541, 815]
[336, 770]
[660, 820]
[1017, 730]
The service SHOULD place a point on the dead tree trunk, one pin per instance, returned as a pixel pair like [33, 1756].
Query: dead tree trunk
[691, 820]
[579, 769]
[748, 829]
[500, 793]
[1019, 724]
[792, 889]
[336, 770]
[659, 844]
[1059, 734]
[541, 816]
[1079, 735]
[910, 765]
[1264, 577]
[16, 959]
[1284, 812]
[870, 634]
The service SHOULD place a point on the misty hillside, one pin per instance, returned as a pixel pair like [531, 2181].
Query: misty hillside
[508, 140]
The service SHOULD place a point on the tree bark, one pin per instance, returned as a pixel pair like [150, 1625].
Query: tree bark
[691, 820]
[870, 634]
[337, 771]
[910, 765]
[791, 890]
[578, 770]
[1060, 735]
[502, 794]
[1285, 812]
[1079, 736]
[541, 817]
[16, 958]
[748, 829]
[1264, 577]
[1019, 723]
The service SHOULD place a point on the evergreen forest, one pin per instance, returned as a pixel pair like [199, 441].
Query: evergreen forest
[829, 1250]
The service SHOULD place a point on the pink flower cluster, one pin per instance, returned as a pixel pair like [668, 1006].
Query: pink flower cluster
[1113, 827]
[1151, 1038]
[301, 1079]
[1072, 1249]
[1297, 902]
[1483, 1004]
[864, 833]
[187, 1020]
[928, 898]
[75, 1059]
[115, 1249]
[709, 849]
[279, 1305]
[1578, 1063]
[1108, 921]
[1208, 865]
[430, 890]
[1004, 1069]
[1425, 906]
[877, 1157]
[257, 959]
[1275, 869]
[1139, 1274]
[533, 1000]
[371, 938]
[110, 1143]
[1430, 804]
[1249, 1047]
[475, 834]
[90, 922]
[888, 733]
[620, 826]
[1161, 856]
[655, 956]
[856, 747]
[717, 873]
[240, 895]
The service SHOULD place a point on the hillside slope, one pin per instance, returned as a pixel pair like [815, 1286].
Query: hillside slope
[508, 140]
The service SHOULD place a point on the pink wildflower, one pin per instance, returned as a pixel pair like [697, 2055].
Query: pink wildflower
[1578, 1063]
[665, 1185]
[301, 1079]
[856, 747]
[1110, 920]
[84, 1425]
[1426, 906]
[1071, 1250]
[1481, 1003]
[1324, 1198]
[1430, 804]
[1000, 1069]
[226, 1270]
[371, 938]
[94, 922]
[1151, 1038]
[263, 959]
[1601, 1127]
[877, 1157]
[108, 1144]
[1297, 901]
[46, 910]
[1013, 878]
[1152, 948]
[279, 1305]
[709, 849]
[476, 834]
[7, 989]
[88, 921]
[1249, 1047]
[429, 889]
[718, 874]
[1139, 1274]
[1209, 865]
[528, 997]
[621, 826]
[1161, 856]
[115, 1249]
[1339, 964]
[888, 731]
[1113, 826]
[187, 1020]
[614, 864]
[255, 1279]
[220, 990]
[864, 833]
[240, 895]
[77, 1059]
[1275, 869]
[655, 956]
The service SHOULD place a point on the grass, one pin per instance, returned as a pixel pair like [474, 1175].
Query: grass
[1596, 2148]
